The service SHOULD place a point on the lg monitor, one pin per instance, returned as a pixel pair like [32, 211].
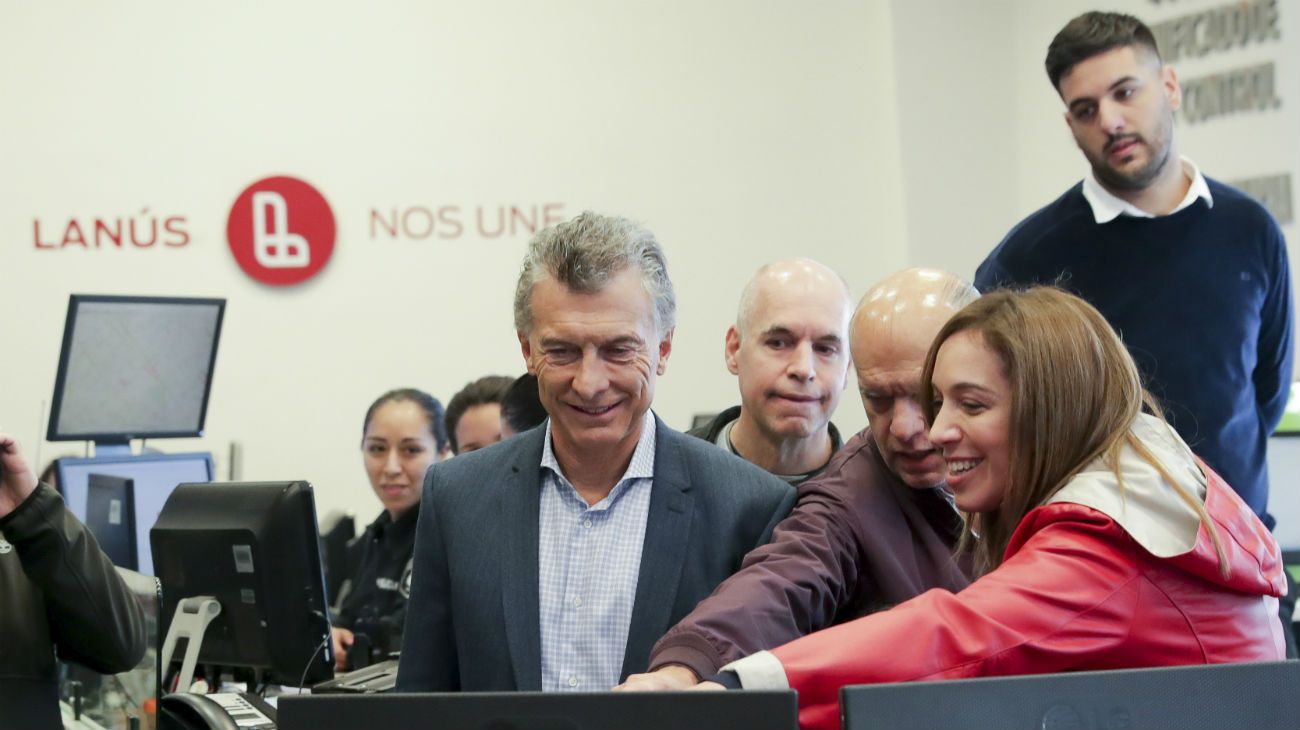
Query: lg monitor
[1254, 696]
[252, 547]
[750, 710]
[134, 367]
[153, 476]
[110, 515]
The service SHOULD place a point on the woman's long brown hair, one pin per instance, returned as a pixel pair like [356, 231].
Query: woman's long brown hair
[1075, 393]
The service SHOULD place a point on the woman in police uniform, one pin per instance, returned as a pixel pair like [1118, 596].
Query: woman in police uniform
[403, 436]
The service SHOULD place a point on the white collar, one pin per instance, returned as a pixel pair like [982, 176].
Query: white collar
[1146, 506]
[642, 465]
[1107, 207]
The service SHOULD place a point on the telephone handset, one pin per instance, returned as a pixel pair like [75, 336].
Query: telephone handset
[219, 711]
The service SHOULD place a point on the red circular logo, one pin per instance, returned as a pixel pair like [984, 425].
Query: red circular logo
[281, 231]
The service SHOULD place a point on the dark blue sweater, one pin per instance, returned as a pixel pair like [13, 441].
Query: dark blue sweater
[1202, 299]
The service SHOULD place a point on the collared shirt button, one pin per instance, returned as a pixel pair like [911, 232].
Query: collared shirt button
[577, 603]
[573, 681]
[586, 524]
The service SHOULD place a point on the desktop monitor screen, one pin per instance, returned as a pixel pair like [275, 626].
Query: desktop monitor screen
[110, 515]
[154, 477]
[254, 548]
[748, 710]
[1254, 695]
[134, 367]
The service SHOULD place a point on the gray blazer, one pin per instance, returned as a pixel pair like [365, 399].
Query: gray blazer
[473, 621]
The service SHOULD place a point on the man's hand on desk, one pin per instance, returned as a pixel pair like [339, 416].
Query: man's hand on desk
[342, 639]
[669, 678]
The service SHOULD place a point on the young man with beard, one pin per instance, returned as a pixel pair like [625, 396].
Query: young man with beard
[1192, 273]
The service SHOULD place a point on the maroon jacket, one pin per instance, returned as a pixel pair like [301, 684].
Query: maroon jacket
[859, 540]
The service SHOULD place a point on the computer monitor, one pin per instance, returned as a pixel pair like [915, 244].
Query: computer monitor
[254, 548]
[110, 515]
[1254, 696]
[134, 367]
[154, 477]
[749, 710]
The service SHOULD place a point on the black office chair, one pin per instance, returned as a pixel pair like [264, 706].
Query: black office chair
[1258, 696]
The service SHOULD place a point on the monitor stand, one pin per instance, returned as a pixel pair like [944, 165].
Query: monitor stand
[113, 447]
[190, 622]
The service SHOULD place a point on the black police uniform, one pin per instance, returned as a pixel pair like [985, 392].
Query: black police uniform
[373, 598]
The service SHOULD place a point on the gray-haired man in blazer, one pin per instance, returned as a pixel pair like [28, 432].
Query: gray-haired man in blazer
[553, 560]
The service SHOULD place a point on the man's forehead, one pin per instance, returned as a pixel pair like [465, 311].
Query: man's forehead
[817, 315]
[804, 327]
[897, 335]
[1095, 74]
[903, 378]
[620, 301]
[593, 330]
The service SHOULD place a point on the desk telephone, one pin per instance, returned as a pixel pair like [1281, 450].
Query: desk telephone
[219, 711]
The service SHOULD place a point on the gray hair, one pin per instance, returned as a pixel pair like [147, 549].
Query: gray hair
[958, 292]
[584, 253]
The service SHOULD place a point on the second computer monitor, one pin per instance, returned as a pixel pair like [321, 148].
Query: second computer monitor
[154, 476]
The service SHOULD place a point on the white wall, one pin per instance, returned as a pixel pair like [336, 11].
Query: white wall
[740, 131]
[958, 129]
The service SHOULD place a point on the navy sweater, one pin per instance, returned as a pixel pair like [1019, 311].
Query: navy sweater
[1202, 299]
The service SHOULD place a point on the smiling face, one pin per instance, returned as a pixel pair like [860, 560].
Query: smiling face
[972, 423]
[1120, 108]
[399, 448]
[596, 357]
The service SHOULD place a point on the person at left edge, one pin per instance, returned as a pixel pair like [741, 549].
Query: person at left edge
[554, 560]
[59, 595]
[403, 435]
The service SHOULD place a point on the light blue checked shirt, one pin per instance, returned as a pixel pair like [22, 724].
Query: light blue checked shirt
[589, 561]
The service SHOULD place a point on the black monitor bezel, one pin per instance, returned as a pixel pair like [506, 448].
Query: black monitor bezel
[74, 303]
[128, 498]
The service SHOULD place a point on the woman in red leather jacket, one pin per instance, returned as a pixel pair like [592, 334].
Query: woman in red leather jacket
[1103, 542]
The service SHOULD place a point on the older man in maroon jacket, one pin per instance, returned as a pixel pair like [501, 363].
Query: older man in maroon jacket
[874, 529]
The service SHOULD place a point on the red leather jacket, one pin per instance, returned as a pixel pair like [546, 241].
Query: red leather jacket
[1076, 591]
